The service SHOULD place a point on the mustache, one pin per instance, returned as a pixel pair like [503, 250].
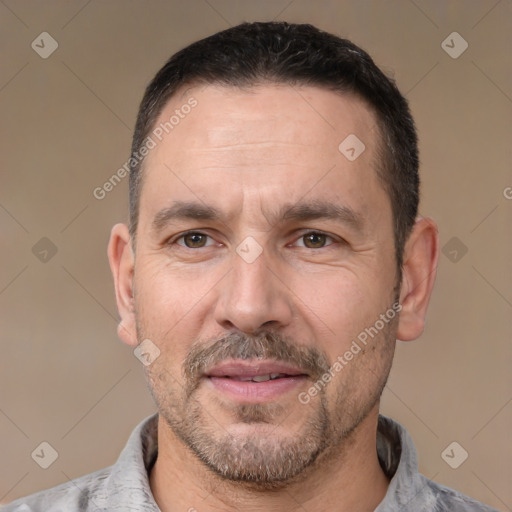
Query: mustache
[267, 345]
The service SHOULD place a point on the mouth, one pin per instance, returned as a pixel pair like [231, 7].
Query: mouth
[255, 381]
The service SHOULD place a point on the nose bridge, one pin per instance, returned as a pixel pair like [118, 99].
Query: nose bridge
[252, 295]
[252, 277]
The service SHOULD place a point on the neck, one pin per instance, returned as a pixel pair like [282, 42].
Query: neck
[347, 480]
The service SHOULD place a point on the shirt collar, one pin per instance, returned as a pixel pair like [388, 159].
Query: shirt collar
[408, 489]
[127, 485]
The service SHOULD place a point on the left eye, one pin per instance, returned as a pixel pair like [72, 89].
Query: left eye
[194, 240]
[314, 240]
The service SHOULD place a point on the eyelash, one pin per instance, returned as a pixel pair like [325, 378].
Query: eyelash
[183, 235]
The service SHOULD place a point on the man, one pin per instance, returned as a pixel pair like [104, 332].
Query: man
[273, 257]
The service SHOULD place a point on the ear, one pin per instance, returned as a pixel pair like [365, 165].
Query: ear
[419, 267]
[122, 261]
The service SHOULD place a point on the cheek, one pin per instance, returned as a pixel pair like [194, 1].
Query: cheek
[338, 307]
[168, 292]
[163, 297]
[171, 305]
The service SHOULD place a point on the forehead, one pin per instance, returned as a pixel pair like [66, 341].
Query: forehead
[226, 116]
[266, 140]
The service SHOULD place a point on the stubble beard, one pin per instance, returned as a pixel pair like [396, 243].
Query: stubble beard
[260, 460]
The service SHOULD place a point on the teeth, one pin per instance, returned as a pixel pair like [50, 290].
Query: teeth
[261, 378]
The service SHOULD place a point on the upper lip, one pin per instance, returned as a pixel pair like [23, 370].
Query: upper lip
[252, 368]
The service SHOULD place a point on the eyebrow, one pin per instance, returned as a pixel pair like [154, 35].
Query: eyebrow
[299, 212]
[318, 209]
[182, 210]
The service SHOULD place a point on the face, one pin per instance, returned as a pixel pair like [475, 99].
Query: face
[264, 257]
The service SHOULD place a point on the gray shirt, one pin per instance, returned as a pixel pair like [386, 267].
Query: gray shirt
[124, 486]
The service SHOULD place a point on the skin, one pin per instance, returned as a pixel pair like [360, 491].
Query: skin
[250, 153]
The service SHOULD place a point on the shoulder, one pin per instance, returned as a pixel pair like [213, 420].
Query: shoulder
[408, 489]
[80, 495]
[447, 499]
[120, 487]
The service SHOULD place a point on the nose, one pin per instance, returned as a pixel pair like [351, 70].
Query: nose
[252, 296]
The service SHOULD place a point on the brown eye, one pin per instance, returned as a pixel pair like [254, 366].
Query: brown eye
[194, 240]
[315, 240]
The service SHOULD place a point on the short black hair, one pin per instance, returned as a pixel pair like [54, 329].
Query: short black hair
[296, 54]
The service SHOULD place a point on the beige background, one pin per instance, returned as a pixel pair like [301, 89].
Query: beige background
[66, 128]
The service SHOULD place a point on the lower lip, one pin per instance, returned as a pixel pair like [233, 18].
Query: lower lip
[256, 392]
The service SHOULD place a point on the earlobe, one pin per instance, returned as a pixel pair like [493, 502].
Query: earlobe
[418, 276]
[121, 259]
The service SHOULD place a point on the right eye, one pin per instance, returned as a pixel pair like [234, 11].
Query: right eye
[194, 240]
